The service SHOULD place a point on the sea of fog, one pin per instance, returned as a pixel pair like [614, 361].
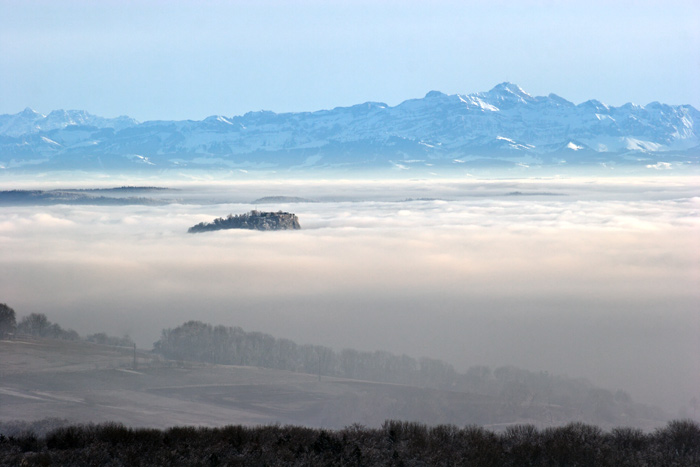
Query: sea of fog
[597, 278]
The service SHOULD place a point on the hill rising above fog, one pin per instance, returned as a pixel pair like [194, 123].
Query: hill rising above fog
[504, 127]
[253, 220]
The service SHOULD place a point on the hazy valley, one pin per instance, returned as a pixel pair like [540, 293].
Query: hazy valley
[588, 278]
[339, 233]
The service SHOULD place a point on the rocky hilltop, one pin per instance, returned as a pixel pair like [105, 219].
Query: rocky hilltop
[253, 220]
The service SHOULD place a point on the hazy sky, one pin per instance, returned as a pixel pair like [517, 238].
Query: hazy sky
[191, 59]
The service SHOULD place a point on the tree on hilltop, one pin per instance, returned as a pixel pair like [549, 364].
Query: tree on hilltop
[38, 325]
[8, 322]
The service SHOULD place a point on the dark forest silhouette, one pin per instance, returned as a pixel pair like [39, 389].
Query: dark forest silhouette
[396, 443]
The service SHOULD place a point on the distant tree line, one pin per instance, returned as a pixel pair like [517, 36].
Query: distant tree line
[521, 393]
[396, 443]
[105, 339]
[77, 197]
[38, 325]
[197, 341]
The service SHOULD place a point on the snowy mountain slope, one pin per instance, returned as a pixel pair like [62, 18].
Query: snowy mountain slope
[28, 121]
[505, 125]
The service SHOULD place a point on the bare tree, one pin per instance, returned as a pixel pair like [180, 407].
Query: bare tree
[36, 324]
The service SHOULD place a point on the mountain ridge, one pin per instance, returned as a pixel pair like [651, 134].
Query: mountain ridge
[505, 125]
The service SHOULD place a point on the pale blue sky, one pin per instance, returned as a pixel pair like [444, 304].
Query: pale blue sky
[191, 59]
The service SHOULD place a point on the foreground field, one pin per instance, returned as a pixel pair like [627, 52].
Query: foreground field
[82, 382]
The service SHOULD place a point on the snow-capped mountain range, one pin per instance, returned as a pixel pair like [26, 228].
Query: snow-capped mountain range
[505, 126]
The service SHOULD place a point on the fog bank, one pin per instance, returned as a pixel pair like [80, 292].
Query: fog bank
[593, 279]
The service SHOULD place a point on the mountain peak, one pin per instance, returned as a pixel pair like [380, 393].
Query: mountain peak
[558, 100]
[505, 89]
[29, 112]
[594, 104]
[433, 94]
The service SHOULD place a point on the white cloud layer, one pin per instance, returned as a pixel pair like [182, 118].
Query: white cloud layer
[599, 280]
